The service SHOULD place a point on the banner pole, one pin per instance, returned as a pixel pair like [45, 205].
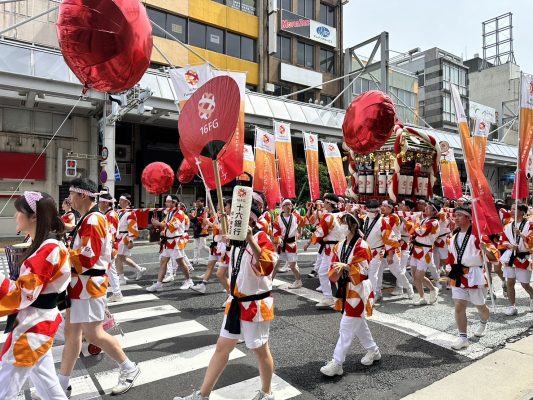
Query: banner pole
[224, 221]
[210, 204]
[517, 174]
[307, 166]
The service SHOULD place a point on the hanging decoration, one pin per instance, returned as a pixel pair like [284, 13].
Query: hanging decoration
[157, 178]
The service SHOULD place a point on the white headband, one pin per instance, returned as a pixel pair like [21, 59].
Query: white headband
[32, 198]
[124, 198]
[169, 198]
[286, 201]
[386, 203]
[104, 200]
[82, 191]
[331, 202]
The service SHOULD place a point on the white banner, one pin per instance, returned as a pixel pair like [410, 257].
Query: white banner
[249, 153]
[331, 149]
[480, 111]
[526, 92]
[265, 141]
[310, 141]
[187, 80]
[282, 131]
[482, 128]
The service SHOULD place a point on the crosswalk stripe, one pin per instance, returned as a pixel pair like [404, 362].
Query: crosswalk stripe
[281, 389]
[155, 334]
[126, 287]
[166, 367]
[135, 299]
[142, 313]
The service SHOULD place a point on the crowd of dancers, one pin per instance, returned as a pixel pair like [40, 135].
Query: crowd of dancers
[419, 242]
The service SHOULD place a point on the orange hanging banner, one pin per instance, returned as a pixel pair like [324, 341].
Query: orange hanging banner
[481, 132]
[282, 133]
[335, 168]
[266, 177]
[311, 158]
[451, 181]
[249, 164]
[526, 136]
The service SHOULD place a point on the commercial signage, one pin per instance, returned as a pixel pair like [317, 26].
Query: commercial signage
[308, 28]
[482, 112]
[302, 76]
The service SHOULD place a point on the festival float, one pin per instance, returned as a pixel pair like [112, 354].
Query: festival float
[385, 158]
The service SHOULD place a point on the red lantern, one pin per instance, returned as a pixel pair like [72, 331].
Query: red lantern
[106, 43]
[185, 172]
[157, 177]
[368, 122]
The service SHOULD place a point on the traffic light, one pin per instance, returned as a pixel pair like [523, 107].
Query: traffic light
[71, 168]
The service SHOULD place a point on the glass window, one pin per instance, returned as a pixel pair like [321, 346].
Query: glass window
[248, 6]
[327, 15]
[219, 1]
[215, 39]
[197, 34]
[325, 100]
[285, 4]
[233, 45]
[247, 49]
[177, 26]
[284, 48]
[306, 8]
[281, 90]
[159, 18]
[306, 55]
[327, 61]
[234, 4]
[252, 88]
[16, 120]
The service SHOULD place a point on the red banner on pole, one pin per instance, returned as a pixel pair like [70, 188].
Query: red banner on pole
[266, 177]
[451, 181]
[526, 136]
[311, 159]
[282, 133]
[335, 168]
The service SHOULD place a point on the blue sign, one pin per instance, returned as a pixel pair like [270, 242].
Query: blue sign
[117, 174]
[323, 31]
[103, 176]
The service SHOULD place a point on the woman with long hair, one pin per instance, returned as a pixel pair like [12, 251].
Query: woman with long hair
[30, 301]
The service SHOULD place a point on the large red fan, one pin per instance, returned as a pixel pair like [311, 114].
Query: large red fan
[185, 173]
[106, 43]
[157, 177]
[368, 122]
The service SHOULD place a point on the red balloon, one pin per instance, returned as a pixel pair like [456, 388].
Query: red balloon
[106, 43]
[185, 172]
[157, 177]
[368, 122]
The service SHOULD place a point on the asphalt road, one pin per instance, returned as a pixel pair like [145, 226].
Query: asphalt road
[172, 336]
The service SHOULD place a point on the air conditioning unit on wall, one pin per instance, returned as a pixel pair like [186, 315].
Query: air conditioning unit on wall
[122, 152]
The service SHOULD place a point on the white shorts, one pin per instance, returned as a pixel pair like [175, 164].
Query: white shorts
[123, 250]
[87, 310]
[255, 334]
[442, 253]
[174, 254]
[289, 257]
[521, 275]
[475, 296]
[420, 265]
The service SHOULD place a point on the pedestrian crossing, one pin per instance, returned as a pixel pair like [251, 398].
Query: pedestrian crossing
[163, 326]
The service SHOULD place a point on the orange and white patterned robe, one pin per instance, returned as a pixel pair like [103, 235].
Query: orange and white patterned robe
[381, 238]
[359, 295]
[90, 250]
[174, 228]
[425, 233]
[328, 230]
[127, 227]
[255, 277]
[444, 230]
[69, 218]
[186, 223]
[46, 271]
[525, 245]
[112, 222]
[280, 230]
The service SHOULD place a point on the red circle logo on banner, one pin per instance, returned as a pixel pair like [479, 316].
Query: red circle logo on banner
[210, 116]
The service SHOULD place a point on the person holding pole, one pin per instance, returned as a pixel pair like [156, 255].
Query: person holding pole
[467, 276]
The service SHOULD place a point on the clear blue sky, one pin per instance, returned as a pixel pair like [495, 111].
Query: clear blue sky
[453, 25]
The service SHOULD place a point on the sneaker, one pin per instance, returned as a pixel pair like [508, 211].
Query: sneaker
[319, 289]
[187, 284]
[312, 274]
[168, 278]
[200, 288]
[283, 269]
[460, 343]
[420, 301]
[125, 380]
[123, 281]
[332, 368]
[194, 396]
[433, 295]
[370, 357]
[325, 302]
[481, 329]
[295, 285]
[140, 273]
[155, 287]
[68, 391]
[410, 292]
[115, 298]
[263, 396]
[398, 291]
[511, 310]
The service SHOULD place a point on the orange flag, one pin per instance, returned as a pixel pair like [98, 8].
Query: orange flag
[526, 136]
[282, 132]
[484, 210]
[266, 175]
[311, 159]
[335, 168]
[481, 132]
[450, 179]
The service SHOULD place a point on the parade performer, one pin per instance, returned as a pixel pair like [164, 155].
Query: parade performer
[408, 219]
[69, 218]
[440, 253]
[199, 217]
[395, 266]
[518, 239]
[105, 206]
[382, 241]
[286, 226]
[349, 269]
[90, 256]
[328, 233]
[217, 254]
[424, 235]
[127, 232]
[467, 276]
[314, 213]
[172, 229]
[250, 311]
[30, 300]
